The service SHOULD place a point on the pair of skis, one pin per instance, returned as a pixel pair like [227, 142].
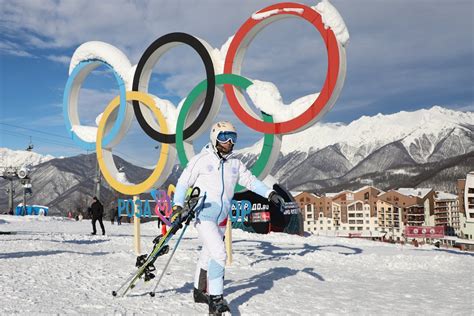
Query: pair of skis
[145, 263]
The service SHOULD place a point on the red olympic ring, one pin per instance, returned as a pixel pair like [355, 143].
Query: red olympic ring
[236, 53]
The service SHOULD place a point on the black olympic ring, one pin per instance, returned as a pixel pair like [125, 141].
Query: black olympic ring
[151, 55]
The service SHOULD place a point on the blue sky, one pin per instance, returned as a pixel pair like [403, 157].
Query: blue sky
[402, 55]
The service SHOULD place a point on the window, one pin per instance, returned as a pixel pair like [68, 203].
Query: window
[309, 215]
[351, 215]
[367, 222]
[366, 195]
[470, 190]
[320, 222]
[351, 228]
[359, 228]
[329, 228]
[308, 222]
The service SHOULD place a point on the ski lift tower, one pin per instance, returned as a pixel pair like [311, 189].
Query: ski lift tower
[15, 173]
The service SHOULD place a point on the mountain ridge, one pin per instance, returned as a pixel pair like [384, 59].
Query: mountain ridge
[434, 156]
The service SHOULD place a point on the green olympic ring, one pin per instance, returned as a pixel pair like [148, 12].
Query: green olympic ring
[270, 141]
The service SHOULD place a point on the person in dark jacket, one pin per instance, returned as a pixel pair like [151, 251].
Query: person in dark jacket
[97, 211]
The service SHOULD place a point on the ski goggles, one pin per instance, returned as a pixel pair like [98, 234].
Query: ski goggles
[224, 137]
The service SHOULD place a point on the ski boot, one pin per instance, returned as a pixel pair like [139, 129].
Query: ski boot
[217, 305]
[200, 296]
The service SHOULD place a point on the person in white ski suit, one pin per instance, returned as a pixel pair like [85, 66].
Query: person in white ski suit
[216, 172]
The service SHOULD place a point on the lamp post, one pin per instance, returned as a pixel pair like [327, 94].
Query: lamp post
[10, 173]
[97, 181]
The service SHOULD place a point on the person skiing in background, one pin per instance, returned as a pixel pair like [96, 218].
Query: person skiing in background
[97, 211]
[216, 171]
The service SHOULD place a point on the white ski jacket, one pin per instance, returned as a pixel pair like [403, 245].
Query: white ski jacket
[217, 178]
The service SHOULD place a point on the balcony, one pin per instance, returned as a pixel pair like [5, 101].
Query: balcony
[414, 222]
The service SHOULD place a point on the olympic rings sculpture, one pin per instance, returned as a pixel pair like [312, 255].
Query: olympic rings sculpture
[201, 105]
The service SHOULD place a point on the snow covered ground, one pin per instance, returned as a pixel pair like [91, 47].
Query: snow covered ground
[54, 266]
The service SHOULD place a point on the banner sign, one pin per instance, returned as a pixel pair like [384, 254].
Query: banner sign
[424, 231]
[291, 208]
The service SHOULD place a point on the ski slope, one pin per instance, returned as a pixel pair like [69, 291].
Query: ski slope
[54, 266]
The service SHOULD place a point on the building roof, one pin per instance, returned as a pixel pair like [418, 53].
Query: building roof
[440, 195]
[295, 194]
[331, 195]
[419, 192]
[368, 187]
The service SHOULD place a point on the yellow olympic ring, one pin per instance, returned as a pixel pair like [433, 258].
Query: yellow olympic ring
[104, 155]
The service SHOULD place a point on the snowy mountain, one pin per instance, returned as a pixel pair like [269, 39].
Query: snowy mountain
[431, 148]
[424, 133]
[67, 184]
[339, 152]
[18, 158]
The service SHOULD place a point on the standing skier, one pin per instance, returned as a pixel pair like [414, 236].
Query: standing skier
[216, 172]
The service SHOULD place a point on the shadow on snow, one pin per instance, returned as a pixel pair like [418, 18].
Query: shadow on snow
[24, 254]
[266, 251]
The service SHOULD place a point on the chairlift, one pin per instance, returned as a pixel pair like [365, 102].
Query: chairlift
[30, 146]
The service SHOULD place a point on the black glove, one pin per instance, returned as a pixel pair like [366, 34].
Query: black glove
[176, 214]
[276, 199]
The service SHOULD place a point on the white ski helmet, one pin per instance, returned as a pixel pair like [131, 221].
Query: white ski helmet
[224, 129]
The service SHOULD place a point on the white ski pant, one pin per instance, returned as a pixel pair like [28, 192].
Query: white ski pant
[212, 257]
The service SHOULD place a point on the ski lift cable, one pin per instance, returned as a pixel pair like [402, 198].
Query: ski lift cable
[57, 142]
[42, 139]
[35, 130]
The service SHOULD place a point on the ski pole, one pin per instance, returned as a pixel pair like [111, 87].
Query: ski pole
[188, 220]
[114, 293]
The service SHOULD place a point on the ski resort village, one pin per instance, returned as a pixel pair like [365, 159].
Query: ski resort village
[398, 215]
